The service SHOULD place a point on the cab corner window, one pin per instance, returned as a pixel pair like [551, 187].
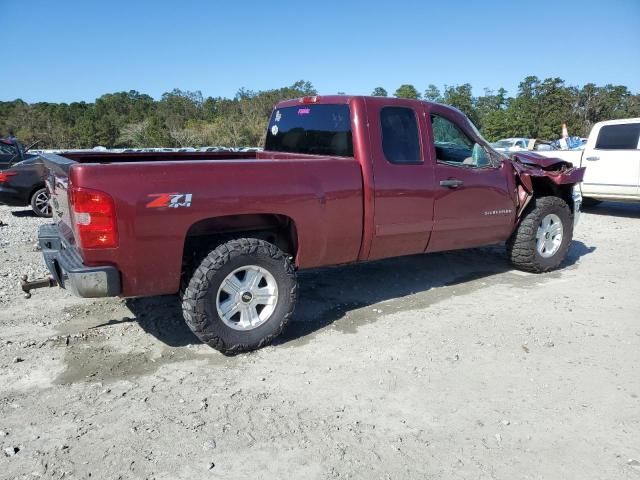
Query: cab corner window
[400, 137]
[454, 147]
[618, 137]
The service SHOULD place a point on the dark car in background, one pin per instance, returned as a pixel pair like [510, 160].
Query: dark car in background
[22, 178]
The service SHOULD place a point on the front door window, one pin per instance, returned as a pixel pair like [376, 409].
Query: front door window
[454, 147]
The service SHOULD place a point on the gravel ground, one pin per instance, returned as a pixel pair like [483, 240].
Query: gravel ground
[441, 366]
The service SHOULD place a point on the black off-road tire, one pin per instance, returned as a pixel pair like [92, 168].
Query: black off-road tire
[199, 298]
[36, 200]
[521, 247]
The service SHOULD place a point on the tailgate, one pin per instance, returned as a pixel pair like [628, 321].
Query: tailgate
[57, 180]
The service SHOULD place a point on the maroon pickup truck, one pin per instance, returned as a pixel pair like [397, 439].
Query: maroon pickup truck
[342, 179]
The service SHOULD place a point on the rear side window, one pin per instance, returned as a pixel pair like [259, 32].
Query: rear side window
[400, 137]
[311, 129]
[618, 137]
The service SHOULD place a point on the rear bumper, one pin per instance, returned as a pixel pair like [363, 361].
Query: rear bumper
[66, 267]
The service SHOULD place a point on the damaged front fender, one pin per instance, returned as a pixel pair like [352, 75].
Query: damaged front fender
[557, 170]
[552, 173]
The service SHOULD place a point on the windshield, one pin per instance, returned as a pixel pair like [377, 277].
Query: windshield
[503, 144]
[311, 129]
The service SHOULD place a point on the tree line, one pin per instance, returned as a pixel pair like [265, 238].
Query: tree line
[184, 118]
[133, 119]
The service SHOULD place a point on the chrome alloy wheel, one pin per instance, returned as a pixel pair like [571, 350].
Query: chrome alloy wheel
[549, 235]
[41, 202]
[247, 297]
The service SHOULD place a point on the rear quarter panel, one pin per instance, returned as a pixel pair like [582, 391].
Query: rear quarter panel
[323, 197]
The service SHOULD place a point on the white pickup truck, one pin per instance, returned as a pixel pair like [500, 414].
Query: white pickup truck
[612, 158]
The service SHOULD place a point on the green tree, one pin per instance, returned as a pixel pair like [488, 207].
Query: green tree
[460, 96]
[490, 108]
[379, 92]
[432, 93]
[555, 102]
[407, 91]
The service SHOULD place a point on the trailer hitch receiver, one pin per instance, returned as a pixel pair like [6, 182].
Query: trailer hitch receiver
[28, 285]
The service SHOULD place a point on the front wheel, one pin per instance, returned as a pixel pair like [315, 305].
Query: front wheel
[542, 239]
[241, 296]
[40, 203]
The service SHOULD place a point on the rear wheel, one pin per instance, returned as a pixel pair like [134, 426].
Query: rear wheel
[542, 239]
[241, 296]
[40, 203]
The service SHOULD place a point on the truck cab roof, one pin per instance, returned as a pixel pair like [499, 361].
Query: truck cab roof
[346, 99]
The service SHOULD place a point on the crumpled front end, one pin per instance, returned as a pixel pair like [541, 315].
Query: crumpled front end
[557, 170]
[544, 176]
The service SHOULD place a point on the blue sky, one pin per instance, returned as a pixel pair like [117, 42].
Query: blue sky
[71, 50]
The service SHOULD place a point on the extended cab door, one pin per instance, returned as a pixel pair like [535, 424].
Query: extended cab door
[402, 176]
[612, 158]
[475, 200]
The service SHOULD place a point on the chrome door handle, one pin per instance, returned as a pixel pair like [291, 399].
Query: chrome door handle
[451, 183]
[592, 159]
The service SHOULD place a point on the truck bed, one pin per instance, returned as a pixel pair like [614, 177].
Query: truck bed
[322, 199]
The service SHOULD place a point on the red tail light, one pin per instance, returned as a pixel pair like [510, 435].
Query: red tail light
[310, 99]
[93, 214]
[5, 176]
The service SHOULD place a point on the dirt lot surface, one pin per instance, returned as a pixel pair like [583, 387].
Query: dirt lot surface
[441, 366]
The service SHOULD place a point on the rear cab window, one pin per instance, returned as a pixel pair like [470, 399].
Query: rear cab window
[618, 137]
[323, 129]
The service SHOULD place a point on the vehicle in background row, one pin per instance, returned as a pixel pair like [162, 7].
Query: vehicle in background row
[536, 145]
[22, 180]
[12, 151]
[342, 179]
[612, 155]
[508, 145]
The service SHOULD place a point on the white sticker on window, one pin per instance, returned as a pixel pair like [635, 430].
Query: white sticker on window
[278, 116]
[274, 130]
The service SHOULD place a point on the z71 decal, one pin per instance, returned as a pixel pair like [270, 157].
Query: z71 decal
[170, 200]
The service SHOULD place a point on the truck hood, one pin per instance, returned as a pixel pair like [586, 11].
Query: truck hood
[537, 160]
[560, 172]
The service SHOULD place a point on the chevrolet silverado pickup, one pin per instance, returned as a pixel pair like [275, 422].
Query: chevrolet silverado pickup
[341, 179]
